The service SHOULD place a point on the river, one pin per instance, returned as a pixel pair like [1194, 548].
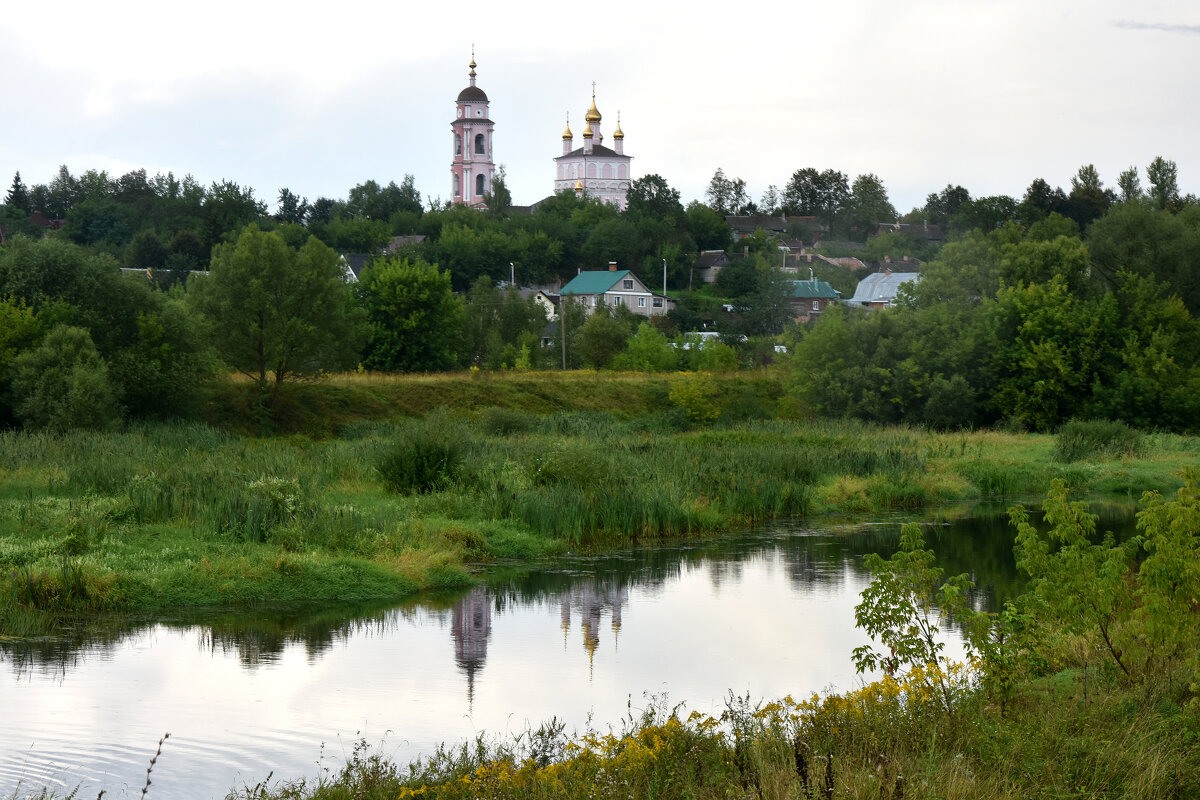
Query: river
[249, 692]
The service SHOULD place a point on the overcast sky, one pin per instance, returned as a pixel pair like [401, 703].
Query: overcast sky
[319, 97]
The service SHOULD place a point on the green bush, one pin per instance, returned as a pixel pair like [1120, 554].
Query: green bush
[64, 384]
[696, 394]
[261, 506]
[1080, 439]
[506, 421]
[424, 459]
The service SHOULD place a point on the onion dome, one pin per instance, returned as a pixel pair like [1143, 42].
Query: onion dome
[593, 114]
[567, 135]
[618, 133]
[472, 93]
[579, 186]
[587, 131]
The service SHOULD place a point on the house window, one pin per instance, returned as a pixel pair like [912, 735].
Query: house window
[816, 305]
[627, 284]
[616, 301]
[641, 302]
[479, 144]
[479, 185]
[658, 302]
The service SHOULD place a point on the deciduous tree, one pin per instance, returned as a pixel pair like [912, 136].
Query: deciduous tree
[415, 319]
[278, 312]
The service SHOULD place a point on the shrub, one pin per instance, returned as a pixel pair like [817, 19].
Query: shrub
[63, 383]
[1080, 439]
[696, 395]
[424, 458]
[263, 505]
[506, 421]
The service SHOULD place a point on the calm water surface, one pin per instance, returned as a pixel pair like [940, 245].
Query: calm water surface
[290, 691]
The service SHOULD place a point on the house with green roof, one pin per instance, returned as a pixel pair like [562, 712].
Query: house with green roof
[810, 298]
[615, 288]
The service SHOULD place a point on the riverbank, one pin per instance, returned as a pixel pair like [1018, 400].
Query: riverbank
[1065, 735]
[1085, 686]
[192, 514]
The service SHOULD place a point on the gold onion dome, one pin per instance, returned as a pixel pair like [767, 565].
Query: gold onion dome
[587, 131]
[618, 133]
[567, 133]
[579, 186]
[593, 113]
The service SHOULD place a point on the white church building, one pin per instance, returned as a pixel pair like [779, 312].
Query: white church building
[593, 169]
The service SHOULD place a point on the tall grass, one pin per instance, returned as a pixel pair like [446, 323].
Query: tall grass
[886, 740]
[186, 513]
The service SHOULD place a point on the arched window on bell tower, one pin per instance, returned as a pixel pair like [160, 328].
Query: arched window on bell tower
[479, 185]
[479, 145]
[457, 185]
[458, 144]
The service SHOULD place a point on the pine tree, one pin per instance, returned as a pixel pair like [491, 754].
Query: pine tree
[18, 195]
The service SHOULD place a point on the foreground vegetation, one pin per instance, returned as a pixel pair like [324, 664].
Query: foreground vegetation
[1084, 687]
[189, 514]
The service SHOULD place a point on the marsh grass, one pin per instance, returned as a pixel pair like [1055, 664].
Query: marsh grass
[1079, 440]
[182, 513]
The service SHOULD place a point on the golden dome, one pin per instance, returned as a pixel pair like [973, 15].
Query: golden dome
[567, 133]
[579, 186]
[587, 131]
[618, 133]
[593, 114]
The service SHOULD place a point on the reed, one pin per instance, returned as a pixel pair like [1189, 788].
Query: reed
[184, 513]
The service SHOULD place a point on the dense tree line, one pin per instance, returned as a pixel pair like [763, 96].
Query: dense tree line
[1026, 326]
[1055, 305]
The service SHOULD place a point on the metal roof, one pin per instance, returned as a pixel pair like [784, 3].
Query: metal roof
[882, 287]
[595, 281]
[812, 289]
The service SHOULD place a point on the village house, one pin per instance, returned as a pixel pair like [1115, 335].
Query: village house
[809, 299]
[709, 263]
[918, 232]
[615, 288]
[879, 290]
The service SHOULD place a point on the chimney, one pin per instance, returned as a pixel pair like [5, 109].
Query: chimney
[612, 266]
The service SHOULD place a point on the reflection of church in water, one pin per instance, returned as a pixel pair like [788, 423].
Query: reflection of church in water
[591, 600]
[471, 622]
[470, 628]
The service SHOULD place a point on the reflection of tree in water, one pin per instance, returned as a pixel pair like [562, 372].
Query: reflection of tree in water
[257, 636]
[979, 544]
